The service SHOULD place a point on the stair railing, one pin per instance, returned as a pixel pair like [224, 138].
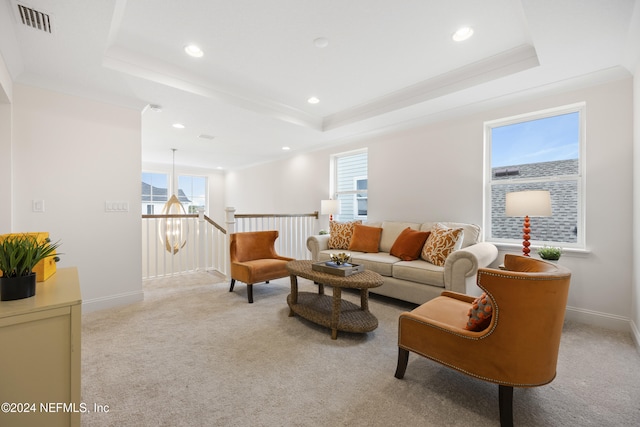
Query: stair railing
[207, 243]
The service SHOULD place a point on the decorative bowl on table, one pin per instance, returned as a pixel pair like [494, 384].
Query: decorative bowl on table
[341, 258]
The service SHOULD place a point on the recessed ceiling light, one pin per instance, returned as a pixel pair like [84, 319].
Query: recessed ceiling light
[313, 100]
[286, 148]
[194, 51]
[178, 125]
[321, 42]
[462, 34]
[205, 136]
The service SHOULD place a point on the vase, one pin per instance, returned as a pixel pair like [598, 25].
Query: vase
[13, 288]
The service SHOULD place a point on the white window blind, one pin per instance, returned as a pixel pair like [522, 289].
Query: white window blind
[351, 185]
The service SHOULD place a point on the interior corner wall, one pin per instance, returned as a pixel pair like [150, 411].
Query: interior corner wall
[75, 154]
[434, 172]
[6, 95]
[5, 168]
[293, 185]
[217, 200]
[635, 298]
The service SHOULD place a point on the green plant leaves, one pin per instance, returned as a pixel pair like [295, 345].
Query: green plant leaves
[19, 253]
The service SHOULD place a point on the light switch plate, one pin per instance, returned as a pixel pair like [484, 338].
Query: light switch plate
[116, 206]
[37, 206]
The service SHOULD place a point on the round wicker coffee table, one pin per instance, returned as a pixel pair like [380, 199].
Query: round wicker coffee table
[333, 312]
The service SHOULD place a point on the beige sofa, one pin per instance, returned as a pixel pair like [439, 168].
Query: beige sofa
[417, 281]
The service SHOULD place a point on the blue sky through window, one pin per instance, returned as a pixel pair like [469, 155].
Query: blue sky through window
[542, 140]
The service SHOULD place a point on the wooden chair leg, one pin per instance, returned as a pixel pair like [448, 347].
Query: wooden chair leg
[233, 282]
[250, 293]
[403, 359]
[505, 398]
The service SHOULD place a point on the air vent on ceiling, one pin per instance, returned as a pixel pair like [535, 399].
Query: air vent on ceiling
[34, 19]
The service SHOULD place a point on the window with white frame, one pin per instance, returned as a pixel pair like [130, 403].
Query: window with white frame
[537, 151]
[192, 192]
[350, 184]
[156, 190]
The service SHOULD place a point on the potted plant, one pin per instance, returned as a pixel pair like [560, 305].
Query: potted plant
[550, 253]
[19, 254]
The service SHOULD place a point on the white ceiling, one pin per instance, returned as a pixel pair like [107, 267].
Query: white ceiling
[388, 63]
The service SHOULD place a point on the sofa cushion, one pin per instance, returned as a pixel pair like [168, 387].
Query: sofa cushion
[480, 313]
[419, 271]
[471, 231]
[340, 234]
[440, 243]
[409, 244]
[390, 232]
[382, 263]
[365, 238]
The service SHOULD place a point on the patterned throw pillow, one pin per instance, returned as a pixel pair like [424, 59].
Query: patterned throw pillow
[480, 313]
[440, 243]
[340, 234]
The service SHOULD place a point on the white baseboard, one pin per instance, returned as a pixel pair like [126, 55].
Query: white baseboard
[596, 318]
[635, 334]
[111, 301]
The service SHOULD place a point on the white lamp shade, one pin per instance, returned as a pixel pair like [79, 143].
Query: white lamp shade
[528, 203]
[329, 207]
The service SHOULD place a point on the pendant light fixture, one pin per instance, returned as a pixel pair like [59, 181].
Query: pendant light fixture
[173, 231]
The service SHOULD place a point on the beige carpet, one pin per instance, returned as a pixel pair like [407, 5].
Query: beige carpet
[193, 354]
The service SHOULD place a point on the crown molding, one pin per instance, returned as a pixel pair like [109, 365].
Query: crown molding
[145, 67]
[503, 64]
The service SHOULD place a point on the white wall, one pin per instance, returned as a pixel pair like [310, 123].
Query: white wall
[6, 94]
[6, 84]
[5, 168]
[295, 185]
[434, 172]
[76, 154]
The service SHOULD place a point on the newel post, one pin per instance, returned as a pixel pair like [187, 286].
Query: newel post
[230, 222]
[202, 244]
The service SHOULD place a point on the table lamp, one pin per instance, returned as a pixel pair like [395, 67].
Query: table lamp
[526, 204]
[329, 207]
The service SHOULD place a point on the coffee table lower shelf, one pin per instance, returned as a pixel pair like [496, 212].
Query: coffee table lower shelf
[319, 309]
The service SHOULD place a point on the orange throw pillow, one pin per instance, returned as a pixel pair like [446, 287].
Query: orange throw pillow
[480, 313]
[365, 238]
[409, 244]
[340, 234]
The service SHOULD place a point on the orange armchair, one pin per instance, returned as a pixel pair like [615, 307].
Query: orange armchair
[518, 347]
[254, 259]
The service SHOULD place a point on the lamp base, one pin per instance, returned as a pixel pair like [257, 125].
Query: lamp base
[526, 229]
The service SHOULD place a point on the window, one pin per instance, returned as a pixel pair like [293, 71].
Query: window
[350, 185]
[361, 197]
[154, 192]
[537, 151]
[192, 192]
